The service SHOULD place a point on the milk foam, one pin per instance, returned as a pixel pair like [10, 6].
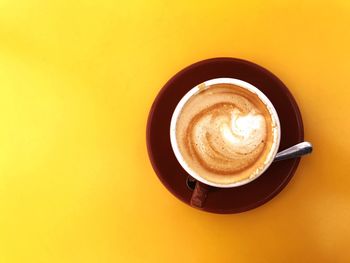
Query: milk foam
[226, 140]
[225, 133]
[246, 132]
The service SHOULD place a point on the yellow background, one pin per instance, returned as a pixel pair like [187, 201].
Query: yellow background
[77, 79]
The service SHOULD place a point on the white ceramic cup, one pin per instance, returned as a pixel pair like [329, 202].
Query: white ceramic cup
[275, 124]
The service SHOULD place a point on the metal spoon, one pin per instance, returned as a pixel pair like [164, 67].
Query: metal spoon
[294, 151]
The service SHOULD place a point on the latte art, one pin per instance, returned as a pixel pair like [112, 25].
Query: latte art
[225, 133]
[225, 139]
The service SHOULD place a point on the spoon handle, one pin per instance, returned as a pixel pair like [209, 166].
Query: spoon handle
[294, 151]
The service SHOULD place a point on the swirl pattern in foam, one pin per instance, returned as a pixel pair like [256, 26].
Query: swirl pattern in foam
[224, 133]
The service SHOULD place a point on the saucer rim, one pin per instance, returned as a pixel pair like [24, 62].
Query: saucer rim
[296, 112]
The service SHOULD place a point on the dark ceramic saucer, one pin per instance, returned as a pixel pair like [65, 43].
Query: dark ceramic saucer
[173, 176]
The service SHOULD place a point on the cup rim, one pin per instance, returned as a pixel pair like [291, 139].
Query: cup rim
[206, 85]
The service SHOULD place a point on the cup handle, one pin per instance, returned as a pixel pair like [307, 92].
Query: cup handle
[199, 194]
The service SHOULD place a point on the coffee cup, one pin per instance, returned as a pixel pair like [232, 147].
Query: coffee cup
[224, 133]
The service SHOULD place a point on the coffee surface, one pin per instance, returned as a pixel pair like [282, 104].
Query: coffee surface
[225, 133]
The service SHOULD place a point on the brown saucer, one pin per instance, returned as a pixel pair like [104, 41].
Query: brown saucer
[173, 176]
